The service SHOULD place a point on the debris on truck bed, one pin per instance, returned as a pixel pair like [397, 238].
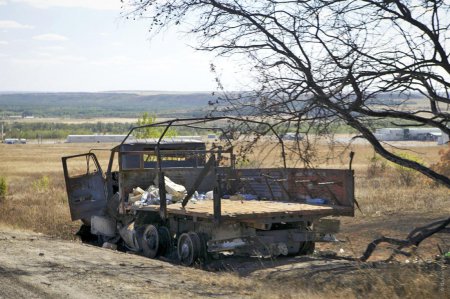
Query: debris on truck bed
[175, 193]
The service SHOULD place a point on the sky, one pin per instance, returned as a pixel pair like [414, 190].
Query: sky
[85, 45]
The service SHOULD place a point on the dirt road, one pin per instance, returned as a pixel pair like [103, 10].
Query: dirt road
[37, 266]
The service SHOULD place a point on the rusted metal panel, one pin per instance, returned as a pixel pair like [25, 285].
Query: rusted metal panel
[291, 184]
[266, 183]
[86, 193]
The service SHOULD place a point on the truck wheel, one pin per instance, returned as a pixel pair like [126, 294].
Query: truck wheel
[189, 247]
[150, 241]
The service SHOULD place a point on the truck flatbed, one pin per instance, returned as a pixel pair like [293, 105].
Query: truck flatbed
[250, 209]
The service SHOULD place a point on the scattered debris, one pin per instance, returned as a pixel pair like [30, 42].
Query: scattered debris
[175, 193]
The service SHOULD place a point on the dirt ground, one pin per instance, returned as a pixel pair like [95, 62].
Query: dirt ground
[37, 266]
[33, 265]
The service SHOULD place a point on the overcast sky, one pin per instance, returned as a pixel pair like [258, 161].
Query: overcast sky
[84, 45]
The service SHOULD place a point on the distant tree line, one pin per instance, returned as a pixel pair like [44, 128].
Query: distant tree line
[47, 130]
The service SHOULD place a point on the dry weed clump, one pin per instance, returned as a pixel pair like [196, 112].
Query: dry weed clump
[376, 166]
[42, 184]
[443, 166]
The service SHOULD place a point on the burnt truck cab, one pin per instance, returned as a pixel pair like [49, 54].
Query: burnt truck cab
[89, 189]
[263, 211]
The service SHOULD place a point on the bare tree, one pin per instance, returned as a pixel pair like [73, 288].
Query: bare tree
[316, 63]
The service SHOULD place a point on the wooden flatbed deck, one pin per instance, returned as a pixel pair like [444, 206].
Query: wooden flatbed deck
[251, 209]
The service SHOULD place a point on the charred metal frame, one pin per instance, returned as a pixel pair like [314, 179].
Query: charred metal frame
[197, 167]
[213, 161]
[193, 122]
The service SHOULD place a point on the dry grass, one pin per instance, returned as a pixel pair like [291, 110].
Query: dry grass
[37, 197]
[387, 281]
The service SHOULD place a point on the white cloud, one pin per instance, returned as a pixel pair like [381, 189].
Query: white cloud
[115, 60]
[52, 48]
[44, 54]
[49, 59]
[2, 2]
[10, 24]
[90, 4]
[50, 37]
[3, 43]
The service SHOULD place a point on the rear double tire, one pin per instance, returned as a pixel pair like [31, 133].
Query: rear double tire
[189, 248]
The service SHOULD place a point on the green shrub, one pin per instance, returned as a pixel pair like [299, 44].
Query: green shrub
[3, 188]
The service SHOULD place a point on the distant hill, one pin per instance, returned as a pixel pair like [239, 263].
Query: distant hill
[105, 104]
[126, 103]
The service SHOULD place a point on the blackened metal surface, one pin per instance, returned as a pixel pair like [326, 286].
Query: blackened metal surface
[336, 186]
[86, 193]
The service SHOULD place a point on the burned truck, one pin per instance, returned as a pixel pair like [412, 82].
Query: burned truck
[183, 198]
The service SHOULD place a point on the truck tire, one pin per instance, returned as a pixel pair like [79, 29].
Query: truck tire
[189, 248]
[151, 241]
